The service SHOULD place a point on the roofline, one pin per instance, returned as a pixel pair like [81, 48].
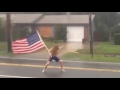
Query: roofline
[28, 24]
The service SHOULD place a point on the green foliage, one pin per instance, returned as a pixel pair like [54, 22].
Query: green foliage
[116, 29]
[47, 38]
[19, 34]
[107, 20]
[23, 33]
[15, 34]
[60, 33]
[2, 30]
[117, 39]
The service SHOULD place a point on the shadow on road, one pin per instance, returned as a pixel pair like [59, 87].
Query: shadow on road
[53, 74]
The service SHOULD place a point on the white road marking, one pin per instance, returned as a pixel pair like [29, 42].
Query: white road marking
[9, 76]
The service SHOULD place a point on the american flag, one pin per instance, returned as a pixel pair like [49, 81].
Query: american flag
[30, 44]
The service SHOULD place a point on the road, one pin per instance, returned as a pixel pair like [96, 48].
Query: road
[73, 70]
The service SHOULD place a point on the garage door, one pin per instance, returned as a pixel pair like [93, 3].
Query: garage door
[75, 34]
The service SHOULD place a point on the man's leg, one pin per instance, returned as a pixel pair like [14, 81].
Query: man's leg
[46, 65]
[61, 64]
[60, 61]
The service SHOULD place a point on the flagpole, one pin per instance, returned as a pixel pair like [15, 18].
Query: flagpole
[44, 43]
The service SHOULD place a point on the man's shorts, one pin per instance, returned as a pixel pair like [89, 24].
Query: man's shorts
[54, 58]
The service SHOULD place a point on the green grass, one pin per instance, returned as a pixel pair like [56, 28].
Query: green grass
[103, 48]
[100, 49]
[87, 57]
[3, 46]
[3, 49]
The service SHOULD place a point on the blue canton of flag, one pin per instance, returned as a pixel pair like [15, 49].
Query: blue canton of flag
[33, 38]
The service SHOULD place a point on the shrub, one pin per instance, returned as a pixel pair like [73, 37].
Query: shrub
[2, 30]
[47, 38]
[117, 38]
[20, 33]
[60, 33]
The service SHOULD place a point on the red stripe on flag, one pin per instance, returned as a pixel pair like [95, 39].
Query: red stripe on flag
[21, 52]
[21, 46]
[28, 48]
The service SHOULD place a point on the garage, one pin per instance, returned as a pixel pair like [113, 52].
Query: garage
[75, 33]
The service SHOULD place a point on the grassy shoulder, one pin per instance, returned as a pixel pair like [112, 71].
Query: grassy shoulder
[100, 49]
[103, 48]
[87, 57]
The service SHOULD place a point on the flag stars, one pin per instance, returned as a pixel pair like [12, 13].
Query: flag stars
[33, 39]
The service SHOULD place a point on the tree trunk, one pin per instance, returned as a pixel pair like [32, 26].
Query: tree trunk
[110, 36]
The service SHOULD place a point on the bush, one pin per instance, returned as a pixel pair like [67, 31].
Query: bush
[19, 34]
[2, 30]
[60, 33]
[117, 38]
[24, 33]
[47, 39]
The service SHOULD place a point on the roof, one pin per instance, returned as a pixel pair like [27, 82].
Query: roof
[49, 19]
[64, 19]
[22, 18]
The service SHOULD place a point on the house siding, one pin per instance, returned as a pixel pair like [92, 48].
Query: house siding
[86, 33]
[53, 32]
[46, 31]
[49, 31]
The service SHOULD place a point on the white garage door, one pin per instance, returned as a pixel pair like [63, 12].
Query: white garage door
[75, 34]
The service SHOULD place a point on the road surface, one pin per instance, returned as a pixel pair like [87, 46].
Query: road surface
[73, 70]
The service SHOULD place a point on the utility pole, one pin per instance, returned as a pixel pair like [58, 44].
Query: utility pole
[8, 29]
[91, 35]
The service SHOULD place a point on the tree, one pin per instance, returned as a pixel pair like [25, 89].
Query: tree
[2, 30]
[60, 32]
[106, 21]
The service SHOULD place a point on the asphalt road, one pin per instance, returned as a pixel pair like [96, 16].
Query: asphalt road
[78, 70]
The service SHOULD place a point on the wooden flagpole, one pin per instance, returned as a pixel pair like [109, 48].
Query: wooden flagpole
[44, 43]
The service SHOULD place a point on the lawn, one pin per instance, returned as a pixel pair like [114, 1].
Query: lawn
[103, 48]
[100, 49]
[87, 57]
[83, 55]
[3, 47]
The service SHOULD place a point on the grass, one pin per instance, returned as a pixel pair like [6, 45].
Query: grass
[3, 48]
[87, 57]
[103, 48]
[100, 49]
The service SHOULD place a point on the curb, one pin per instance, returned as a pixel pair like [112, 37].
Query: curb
[21, 60]
[38, 61]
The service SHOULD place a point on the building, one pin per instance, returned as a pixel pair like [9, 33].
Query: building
[77, 25]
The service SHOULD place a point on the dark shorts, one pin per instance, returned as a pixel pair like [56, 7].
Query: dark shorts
[54, 58]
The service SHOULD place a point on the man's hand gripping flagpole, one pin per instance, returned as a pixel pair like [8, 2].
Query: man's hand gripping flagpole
[43, 43]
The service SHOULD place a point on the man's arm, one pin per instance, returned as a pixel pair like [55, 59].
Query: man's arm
[50, 49]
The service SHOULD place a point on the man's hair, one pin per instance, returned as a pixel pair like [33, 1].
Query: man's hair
[54, 50]
[55, 47]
